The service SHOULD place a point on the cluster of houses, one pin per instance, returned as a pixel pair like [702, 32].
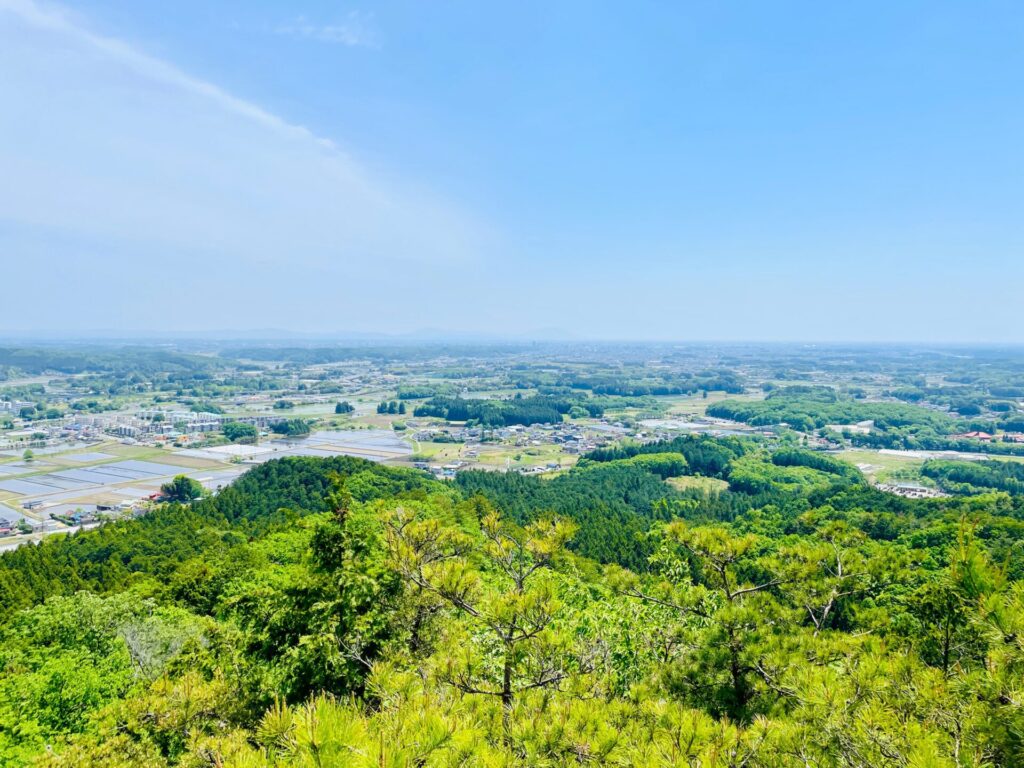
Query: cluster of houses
[448, 471]
[9, 527]
[144, 425]
[160, 425]
[860, 428]
[84, 515]
[570, 438]
[15, 406]
[442, 472]
[910, 491]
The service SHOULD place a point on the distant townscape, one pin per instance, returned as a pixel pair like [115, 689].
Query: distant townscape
[91, 433]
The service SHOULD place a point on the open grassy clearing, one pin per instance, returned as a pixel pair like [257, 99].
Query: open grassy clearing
[889, 467]
[706, 484]
[697, 404]
[438, 452]
[526, 456]
[881, 467]
[873, 462]
[382, 420]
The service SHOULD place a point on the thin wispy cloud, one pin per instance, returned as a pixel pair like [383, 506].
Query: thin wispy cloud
[123, 171]
[355, 31]
[56, 20]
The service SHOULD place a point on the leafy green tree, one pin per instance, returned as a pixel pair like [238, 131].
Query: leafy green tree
[291, 427]
[320, 623]
[238, 432]
[821, 574]
[66, 659]
[182, 488]
[710, 582]
[946, 636]
[515, 615]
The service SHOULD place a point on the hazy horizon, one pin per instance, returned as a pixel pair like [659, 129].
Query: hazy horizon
[283, 338]
[793, 173]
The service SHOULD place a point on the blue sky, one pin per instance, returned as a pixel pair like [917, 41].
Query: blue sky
[714, 170]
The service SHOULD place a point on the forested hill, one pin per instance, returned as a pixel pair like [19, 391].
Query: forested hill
[698, 602]
[119, 554]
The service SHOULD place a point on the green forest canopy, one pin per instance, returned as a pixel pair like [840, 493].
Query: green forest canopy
[809, 408]
[337, 612]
